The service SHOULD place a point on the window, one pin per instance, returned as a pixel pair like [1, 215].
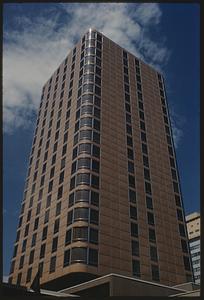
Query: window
[81, 213]
[46, 219]
[172, 163]
[176, 187]
[63, 163]
[179, 215]
[24, 246]
[29, 273]
[36, 224]
[146, 174]
[178, 200]
[131, 180]
[66, 258]
[130, 154]
[94, 216]
[52, 264]
[54, 244]
[142, 126]
[96, 151]
[48, 201]
[136, 268]
[31, 257]
[93, 257]
[69, 217]
[58, 209]
[83, 178]
[94, 198]
[26, 230]
[38, 208]
[60, 192]
[148, 188]
[93, 236]
[79, 254]
[155, 273]
[134, 230]
[29, 215]
[145, 161]
[127, 107]
[40, 268]
[85, 148]
[72, 183]
[19, 279]
[132, 196]
[33, 239]
[143, 137]
[84, 163]
[133, 212]
[186, 263]
[173, 173]
[85, 134]
[50, 186]
[149, 202]
[96, 137]
[152, 235]
[184, 246]
[80, 233]
[129, 141]
[130, 167]
[56, 225]
[182, 230]
[95, 181]
[150, 218]
[44, 233]
[135, 248]
[153, 253]
[82, 195]
[95, 166]
[21, 262]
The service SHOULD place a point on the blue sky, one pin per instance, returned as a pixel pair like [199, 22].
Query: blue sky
[37, 37]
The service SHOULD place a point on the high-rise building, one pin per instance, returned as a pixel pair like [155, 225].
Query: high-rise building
[102, 193]
[193, 228]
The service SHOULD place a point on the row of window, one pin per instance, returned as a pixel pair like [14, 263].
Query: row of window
[147, 177]
[179, 212]
[131, 169]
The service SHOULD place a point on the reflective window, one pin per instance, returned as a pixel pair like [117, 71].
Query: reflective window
[86, 122]
[85, 148]
[80, 233]
[84, 163]
[82, 195]
[86, 109]
[85, 134]
[79, 254]
[89, 77]
[81, 213]
[89, 69]
[87, 98]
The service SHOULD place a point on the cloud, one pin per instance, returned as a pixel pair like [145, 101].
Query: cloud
[177, 123]
[37, 44]
[5, 278]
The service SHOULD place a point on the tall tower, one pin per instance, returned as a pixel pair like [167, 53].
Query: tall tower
[102, 192]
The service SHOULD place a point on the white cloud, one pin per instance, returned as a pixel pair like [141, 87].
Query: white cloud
[37, 46]
[177, 122]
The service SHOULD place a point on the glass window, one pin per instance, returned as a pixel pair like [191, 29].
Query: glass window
[89, 77]
[95, 151]
[94, 198]
[52, 264]
[44, 233]
[87, 98]
[133, 212]
[130, 167]
[134, 230]
[86, 122]
[95, 181]
[84, 163]
[82, 195]
[88, 87]
[94, 216]
[182, 230]
[42, 250]
[130, 153]
[132, 196]
[149, 202]
[83, 178]
[96, 137]
[179, 215]
[80, 233]
[66, 258]
[56, 225]
[153, 253]
[68, 237]
[95, 165]
[150, 218]
[129, 141]
[131, 180]
[152, 235]
[93, 236]
[85, 134]
[54, 244]
[155, 273]
[29, 273]
[31, 257]
[148, 188]
[135, 248]
[69, 217]
[184, 246]
[93, 257]
[79, 254]
[86, 109]
[136, 268]
[81, 213]
[85, 148]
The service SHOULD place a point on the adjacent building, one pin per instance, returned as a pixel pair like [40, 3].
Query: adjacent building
[193, 228]
[102, 192]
